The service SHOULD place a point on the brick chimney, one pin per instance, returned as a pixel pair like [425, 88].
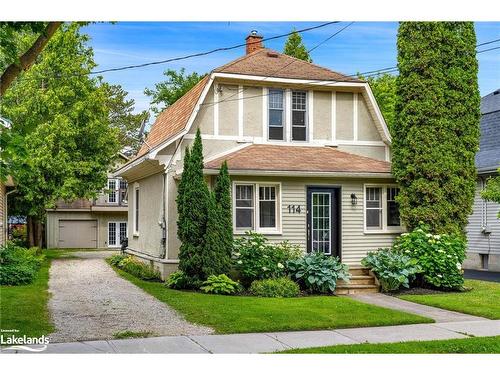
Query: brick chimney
[254, 42]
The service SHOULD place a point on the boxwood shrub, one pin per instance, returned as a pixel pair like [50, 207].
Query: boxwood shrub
[280, 287]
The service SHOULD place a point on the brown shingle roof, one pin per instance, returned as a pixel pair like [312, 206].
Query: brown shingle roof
[174, 118]
[269, 63]
[263, 62]
[299, 159]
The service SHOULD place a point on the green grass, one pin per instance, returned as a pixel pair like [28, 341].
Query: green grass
[469, 345]
[238, 314]
[131, 334]
[482, 300]
[24, 307]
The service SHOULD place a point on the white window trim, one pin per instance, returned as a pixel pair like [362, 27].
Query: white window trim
[134, 217]
[385, 227]
[278, 230]
[307, 117]
[117, 233]
[283, 119]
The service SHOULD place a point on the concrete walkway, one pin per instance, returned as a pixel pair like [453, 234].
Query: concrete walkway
[437, 314]
[278, 341]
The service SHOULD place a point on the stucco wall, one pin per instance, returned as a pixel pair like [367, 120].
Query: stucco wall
[344, 116]
[367, 131]
[53, 217]
[322, 115]
[252, 112]
[228, 110]
[149, 237]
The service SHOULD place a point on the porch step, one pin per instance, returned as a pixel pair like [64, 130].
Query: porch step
[343, 290]
[362, 281]
[358, 280]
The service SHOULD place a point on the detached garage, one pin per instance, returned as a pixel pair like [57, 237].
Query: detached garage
[79, 234]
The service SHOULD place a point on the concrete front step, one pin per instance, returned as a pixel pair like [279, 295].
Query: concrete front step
[343, 290]
[358, 280]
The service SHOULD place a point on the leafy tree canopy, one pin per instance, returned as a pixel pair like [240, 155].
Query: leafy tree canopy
[295, 47]
[62, 117]
[167, 92]
[384, 90]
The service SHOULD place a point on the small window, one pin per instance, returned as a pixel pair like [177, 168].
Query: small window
[299, 116]
[112, 191]
[244, 207]
[276, 120]
[392, 207]
[267, 206]
[374, 208]
[136, 211]
[123, 190]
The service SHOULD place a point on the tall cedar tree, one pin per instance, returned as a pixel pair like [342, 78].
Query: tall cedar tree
[436, 133]
[295, 47]
[192, 206]
[222, 192]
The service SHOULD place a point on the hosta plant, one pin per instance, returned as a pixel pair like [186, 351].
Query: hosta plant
[317, 272]
[220, 284]
[392, 268]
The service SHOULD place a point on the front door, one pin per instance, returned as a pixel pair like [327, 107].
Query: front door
[323, 222]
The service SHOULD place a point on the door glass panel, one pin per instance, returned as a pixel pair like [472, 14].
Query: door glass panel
[321, 222]
[111, 234]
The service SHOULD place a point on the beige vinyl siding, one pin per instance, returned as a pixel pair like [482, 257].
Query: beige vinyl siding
[228, 110]
[354, 242]
[367, 131]
[252, 112]
[345, 116]
[484, 214]
[322, 115]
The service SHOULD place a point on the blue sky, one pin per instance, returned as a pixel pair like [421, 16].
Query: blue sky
[363, 46]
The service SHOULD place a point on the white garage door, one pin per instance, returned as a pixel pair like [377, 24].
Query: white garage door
[78, 234]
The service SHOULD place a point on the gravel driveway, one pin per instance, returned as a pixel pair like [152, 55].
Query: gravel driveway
[90, 301]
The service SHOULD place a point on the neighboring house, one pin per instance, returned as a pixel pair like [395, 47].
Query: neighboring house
[98, 223]
[308, 153]
[483, 231]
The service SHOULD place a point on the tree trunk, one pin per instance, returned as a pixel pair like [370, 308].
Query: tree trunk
[31, 231]
[38, 234]
[28, 58]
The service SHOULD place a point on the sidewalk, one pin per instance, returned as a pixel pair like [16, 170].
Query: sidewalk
[277, 341]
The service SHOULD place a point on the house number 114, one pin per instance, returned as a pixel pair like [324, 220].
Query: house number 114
[293, 209]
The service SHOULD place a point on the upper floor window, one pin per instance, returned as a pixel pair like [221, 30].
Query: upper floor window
[381, 208]
[112, 194]
[276, 117]
[117, 190]
[299, 116]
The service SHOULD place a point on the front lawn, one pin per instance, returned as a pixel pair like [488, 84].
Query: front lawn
[237, 314]
[469, 345]
[24, 307]
[482, 300]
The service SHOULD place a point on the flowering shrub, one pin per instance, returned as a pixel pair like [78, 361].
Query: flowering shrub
[318, 272]
[220, 285]
[280, 287]
[439, 256]
[255, 258]
[392, 268]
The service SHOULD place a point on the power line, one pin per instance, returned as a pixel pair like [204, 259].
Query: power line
[489, 49]
[485, 43]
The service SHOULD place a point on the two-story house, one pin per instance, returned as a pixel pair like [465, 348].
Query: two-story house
[308, 152]
[97, 223]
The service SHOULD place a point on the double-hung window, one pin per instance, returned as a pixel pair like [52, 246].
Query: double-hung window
[381, 208]
[299, 116]
[123, 190]
[256, 207]
[276, 115]
[112, 193]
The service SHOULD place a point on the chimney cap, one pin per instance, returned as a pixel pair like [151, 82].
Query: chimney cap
[254, 34]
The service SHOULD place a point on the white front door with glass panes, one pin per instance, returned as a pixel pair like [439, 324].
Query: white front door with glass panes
[117, 231]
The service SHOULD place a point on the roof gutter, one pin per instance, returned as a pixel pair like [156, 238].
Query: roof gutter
[256, 172]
